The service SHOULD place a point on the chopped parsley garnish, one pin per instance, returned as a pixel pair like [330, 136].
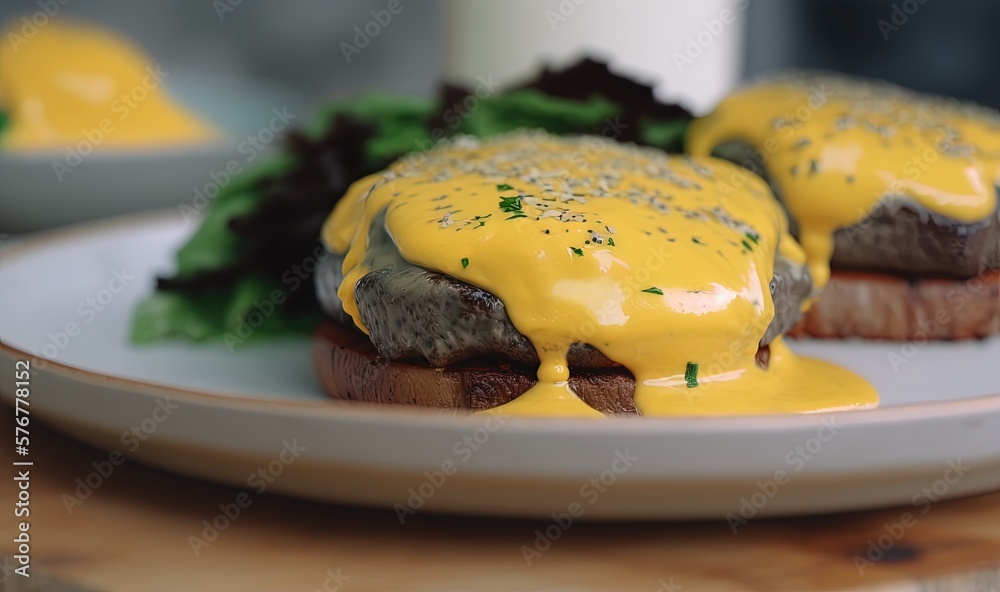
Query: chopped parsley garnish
[510, 204]
[577, 250]
[504, 187]
[654, 290]
[753, 237]
[691, 374]
[465, 262]
[747, 245]
[696, 240]
[611, 241]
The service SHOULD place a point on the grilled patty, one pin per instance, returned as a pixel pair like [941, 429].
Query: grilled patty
[899, 236]
[415, 314]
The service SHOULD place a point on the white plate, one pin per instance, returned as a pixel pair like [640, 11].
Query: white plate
[940, 414]
[118, 181]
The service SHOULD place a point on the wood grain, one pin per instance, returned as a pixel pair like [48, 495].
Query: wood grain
[132, 534]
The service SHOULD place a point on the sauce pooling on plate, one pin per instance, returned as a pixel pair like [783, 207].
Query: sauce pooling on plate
[72, 84]
[835, 147]
[661, 263]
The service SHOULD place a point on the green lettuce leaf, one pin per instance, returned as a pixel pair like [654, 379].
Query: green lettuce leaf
[668, 135]
[530, 108]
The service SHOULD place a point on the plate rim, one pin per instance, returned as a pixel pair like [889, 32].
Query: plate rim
[432, 417]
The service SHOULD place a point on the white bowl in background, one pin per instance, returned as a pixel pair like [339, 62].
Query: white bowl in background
[117, 181]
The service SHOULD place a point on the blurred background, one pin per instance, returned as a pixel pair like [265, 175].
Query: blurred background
[236, 59]
[938, 46]
[948, 48]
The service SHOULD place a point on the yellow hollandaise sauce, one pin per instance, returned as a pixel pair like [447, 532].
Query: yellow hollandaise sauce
[836, 147]
[74, 83]
[661, 263]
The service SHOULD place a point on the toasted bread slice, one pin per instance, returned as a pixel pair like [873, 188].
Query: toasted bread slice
[880, 306]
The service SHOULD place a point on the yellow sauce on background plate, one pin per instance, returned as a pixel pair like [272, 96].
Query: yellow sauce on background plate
[73, 84]
[661, 263]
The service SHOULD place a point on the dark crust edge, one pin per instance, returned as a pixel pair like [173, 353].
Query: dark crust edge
[349, 368]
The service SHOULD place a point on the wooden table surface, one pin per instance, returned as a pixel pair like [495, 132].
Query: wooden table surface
[132, 534]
